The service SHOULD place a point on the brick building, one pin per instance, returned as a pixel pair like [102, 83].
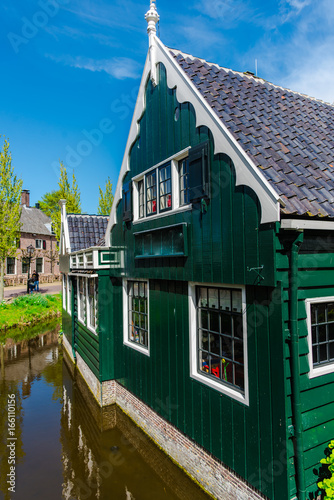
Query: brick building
[35, 231]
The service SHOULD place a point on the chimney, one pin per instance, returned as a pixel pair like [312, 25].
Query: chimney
[25, 197]
[37, 205]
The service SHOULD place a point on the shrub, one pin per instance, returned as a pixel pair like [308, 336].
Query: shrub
[327, 484]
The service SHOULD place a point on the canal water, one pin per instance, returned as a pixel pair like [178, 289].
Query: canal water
[61, 444]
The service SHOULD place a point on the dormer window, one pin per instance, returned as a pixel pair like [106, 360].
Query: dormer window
[170, 186]
[162, 189]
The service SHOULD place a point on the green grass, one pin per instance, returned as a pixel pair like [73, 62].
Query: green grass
[29, 309]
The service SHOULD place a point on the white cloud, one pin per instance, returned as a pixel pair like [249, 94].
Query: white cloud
[229, 11]
[298, 4]
[313, 75]
[117, 67]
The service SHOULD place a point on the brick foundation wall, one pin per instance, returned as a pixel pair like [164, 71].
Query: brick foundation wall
[213, 476]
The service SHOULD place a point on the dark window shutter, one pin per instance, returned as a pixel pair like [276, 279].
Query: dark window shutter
[127, 205]
[44, 245]
[199, 172]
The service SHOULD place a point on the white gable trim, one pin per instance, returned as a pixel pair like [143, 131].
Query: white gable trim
[246, 171]
[65, 246]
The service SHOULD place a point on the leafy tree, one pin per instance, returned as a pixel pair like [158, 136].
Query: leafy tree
[327, 484]
[106, 199]
[10, 210]
[49, 202]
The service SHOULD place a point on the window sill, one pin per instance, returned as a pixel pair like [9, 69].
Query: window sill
[91, 329]
[184, 208]
[321, 370]
[137, 347]
[218, 386]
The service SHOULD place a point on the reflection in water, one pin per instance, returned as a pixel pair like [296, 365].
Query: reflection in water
[67, 446]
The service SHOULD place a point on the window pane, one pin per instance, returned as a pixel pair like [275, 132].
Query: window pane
[203, 340]
[203, 319]
[227, 371]
[322, 352]
[203, 297]
[321, 318]
[226, 326]
[239, 376]
[330, 311]
[214, 321]
[331, 351]
[213, 298]
[322, 333]
[314, 335]
[237, 327]
[227, 348]
[225, 300]
[239, 351]
[204, 362]
[331, 331]
[214, 343]
[236, 300]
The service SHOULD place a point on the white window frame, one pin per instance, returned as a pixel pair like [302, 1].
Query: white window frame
[126, 341]
[40, 244]
[176, 207]
[93, 329]
[65, 292]
[318, 370]
[82, 314]
[194, 372]
[69, 296]
[15, 263]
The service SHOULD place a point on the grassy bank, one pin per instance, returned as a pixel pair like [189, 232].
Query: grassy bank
[28, 310]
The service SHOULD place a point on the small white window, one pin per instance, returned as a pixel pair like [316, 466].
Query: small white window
[69, 295]
[218, 338]
[135, 315]
[320, 326]
[64, 291]
[91, 303]
[81, 299]
[163, 189]
[38, 243]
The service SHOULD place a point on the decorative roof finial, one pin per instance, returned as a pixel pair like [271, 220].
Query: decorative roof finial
[152, 17]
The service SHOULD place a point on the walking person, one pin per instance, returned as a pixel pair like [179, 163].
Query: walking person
[35, 277]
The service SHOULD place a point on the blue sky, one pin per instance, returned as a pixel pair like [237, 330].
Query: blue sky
[71, 70]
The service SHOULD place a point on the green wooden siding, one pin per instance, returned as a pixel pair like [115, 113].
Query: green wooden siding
[225, 241]
[247, 439]
[315, 279]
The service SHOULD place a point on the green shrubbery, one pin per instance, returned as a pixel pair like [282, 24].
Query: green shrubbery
[29, 309]
[328, 483]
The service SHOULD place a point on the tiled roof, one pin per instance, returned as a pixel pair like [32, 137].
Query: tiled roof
[33, 220]
[289, 136]
[86, 231]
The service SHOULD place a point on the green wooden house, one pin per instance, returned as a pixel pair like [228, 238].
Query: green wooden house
[208, 313]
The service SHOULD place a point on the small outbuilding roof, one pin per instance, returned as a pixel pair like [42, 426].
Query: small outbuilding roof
[289, 136]
[86, 231]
